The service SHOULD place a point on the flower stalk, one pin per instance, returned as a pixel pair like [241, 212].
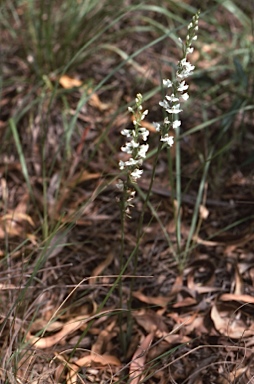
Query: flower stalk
[137, 150]
[178, 87]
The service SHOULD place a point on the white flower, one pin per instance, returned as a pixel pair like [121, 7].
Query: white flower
[174, 109]
[121, 164]
[176, 124]
[120, 185]
[138, 98]
[184, 69]
[189, 50]
[164, 104]
[167, 83]
[128, 148]
[157, 126]
[142, 150]
[144, 114]
[144, 133]
[136, 174]
[126, 132]
[172, 98]
[168, 139]
[185, 96]
[131, 162]
[182, 86]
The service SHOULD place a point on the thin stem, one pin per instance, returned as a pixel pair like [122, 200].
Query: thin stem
[139, 234]
[178, 192]
[120, 285]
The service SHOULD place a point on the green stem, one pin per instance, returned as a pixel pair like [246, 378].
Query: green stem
[139, 236]
[178, 195]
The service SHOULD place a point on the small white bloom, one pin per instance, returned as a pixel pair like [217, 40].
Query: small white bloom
[126, 132]
[172, 98]
[185, 96]
[144, 133]
[189, 50]
[131, 162]
[144, 114]
[182, 86]
[138, 99]
[136, 174]
[157, 126]
[167, 83]
[168, 139]
[120, 185]
[185, 69]
[130, 109]
[121, 165]
[128, 148]
[164, 104]
[174, 109]
[142, 150]
[176, 124]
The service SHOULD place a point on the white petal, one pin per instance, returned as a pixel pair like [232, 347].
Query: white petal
[176, 124]
[167, 83]
[157, 126]
[185, 96]
[175, 109]
[168, 139]
[172, 98]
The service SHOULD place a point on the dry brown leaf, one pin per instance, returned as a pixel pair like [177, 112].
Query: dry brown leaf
[98, 359]
[186, 302]
[69, 82]
[204, 267]
[236, 374]
[197, 325]
[229, 325]
[177, 286]
[39, 324]
[88, 361]
[103, 339]
[95, 101]
[100, 268]
[8, 287]
[203, 212]
[154, 324]
[138, 360]
[233, 297]
[151, 322]
[177, 339]
[161, 301]
[13, 222]
[81, 177]
[67, 329]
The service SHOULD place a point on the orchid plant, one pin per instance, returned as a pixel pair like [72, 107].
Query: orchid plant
[136, 148]
[171, 104]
